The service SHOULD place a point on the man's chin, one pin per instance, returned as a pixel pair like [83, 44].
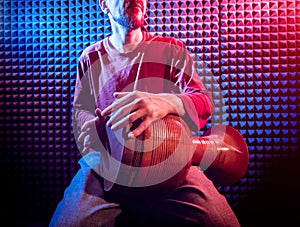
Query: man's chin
[135, 25]
[131, 23]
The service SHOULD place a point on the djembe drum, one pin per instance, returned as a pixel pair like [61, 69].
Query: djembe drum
[158, 159]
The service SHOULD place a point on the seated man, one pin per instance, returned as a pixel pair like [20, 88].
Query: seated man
[128, 77]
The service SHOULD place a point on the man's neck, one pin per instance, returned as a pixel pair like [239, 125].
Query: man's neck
[124, 40]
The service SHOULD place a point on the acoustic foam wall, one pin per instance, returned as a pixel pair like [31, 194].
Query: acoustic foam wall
[251, 47]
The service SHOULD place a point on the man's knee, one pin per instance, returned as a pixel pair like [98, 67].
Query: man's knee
[98, 216]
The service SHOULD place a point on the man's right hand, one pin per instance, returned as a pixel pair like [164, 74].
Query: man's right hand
[88, 132]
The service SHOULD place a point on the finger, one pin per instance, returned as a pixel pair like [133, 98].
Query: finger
[129, 119]
[84, 126]
[140, 129]
[87, 141]
[120, 94]
[98, 112]
[82, 135]
[102, 119]
[117, 104]
[123, 112]
[88, 124]
[85, 150]
[86, 144]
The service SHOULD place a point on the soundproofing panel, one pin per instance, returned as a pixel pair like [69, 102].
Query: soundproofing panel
[249, 57]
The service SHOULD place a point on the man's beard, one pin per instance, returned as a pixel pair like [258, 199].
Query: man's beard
[131, 21]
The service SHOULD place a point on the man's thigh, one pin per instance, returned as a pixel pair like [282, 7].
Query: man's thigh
[195, 203]
[83, 203]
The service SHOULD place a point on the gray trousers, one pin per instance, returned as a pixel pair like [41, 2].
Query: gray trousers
[196, 202]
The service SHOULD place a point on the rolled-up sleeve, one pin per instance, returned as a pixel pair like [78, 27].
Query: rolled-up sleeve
[197, 100]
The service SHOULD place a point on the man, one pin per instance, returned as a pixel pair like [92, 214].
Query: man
[129, 77]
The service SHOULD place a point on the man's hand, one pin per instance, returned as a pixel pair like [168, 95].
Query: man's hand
[131, 106]
[88, 132]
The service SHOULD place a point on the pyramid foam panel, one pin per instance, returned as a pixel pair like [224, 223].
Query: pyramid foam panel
[247, 53]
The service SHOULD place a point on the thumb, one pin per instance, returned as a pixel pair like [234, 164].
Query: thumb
[98, 112]
[99, 115]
